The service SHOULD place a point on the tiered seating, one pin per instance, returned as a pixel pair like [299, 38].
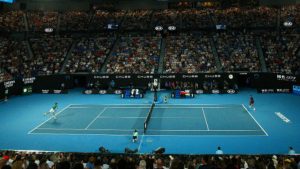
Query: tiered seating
[237, 52]
[103, 18]
[12, 21]
[49, 54]
[135, 55]
[14, 59]
[137, 20]
[189, 53]
[195, 19]
[75, 21]
[89, 55]
[39, 20]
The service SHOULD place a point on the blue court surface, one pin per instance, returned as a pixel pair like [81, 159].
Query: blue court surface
[123, 119]
[182, 126]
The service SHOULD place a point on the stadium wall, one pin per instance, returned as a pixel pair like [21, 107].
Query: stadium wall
[138, 4]
[263, 82]
[278, 2]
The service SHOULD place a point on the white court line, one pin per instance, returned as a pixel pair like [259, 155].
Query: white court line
[96, 118]
[103, 117]
[172, 107]
[205, 119]
[151, 103]
[122, 135]
[88, 107]
[127, 107]
[113, 117]
[202, 130]
[57, 129]
[141, 143]
[49, 119]
[190, 107]
[255, 120]
[105, 104]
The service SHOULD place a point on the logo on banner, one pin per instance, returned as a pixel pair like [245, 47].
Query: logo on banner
[123, 76]
[9, 84]
[45, 91]
[102, 91]
[215, 91]
[230, 91]
[101, 77]
[287, 78]
[199, 91]
[88, 91]
[118, 91]
[144, 76]
[28, 80]
[189, 76]
[167, 76]
[212, 76]
[56, 91]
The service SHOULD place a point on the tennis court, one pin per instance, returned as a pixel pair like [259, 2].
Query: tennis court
[173, 119]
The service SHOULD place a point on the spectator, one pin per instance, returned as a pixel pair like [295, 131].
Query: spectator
[219, 151]
[89, 55]
[135, 55]
[237, 51]
[12, 21]
[188, 53]
[291, 151]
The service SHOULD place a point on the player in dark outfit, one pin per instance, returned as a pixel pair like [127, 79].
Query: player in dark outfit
[251, 103]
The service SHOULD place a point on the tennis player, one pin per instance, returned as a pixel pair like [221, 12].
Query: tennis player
[251, 103]
[135, 136]
[52, 111]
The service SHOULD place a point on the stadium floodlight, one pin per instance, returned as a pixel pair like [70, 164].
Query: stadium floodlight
[159, 28]
[171, 28]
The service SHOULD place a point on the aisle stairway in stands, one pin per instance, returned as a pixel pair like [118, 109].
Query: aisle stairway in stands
[29, 49]
[114, 46]
[162, 55]
[25, 22]
[261, 55]
[215, 53]
[58, 23]
[68, 55]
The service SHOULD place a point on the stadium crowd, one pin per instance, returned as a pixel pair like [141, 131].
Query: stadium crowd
[195, 19]
[12, 21]
[31, 160]
[39, 20]
[138, 54]
[281, 52]
[188, 53]
[137, 20]
[102, 18]
[185, 52]
[14, 59]
[237, 52]
[75, 21]
[89, 55]
[49, 54]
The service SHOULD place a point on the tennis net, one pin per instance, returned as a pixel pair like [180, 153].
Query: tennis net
[148, 118]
